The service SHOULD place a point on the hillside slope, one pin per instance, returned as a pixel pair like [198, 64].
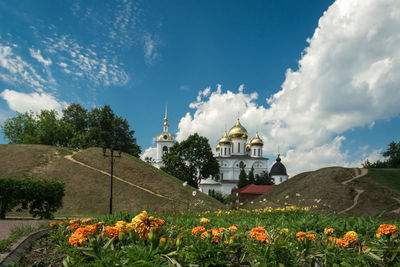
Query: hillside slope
[137, 185]
[327, 189]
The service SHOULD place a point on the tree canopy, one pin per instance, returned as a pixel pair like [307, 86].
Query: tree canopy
[76, 128]
[392, 155]
[191, 160]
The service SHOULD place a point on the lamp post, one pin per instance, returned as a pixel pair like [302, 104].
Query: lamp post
[111, 156]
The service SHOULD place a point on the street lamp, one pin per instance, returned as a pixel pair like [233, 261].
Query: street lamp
[111, 156]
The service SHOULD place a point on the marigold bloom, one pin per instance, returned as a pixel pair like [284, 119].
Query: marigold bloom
[73, 226]
[122, 225]
[221, 229]
[284, 230]
[62, 223]
[53, 224]
[81, 234]
[350, 236]
[198, 229]
[232, 228]
[163, 240]
[259, 233]
[310, 236]
[300, 235]
[74, 221]
[204, 235]
[329, 230]
[365, 247]
[87, 220]
[111, 231]
[216, 235]
[204, 220]
[143, 225]
[342, 243]
[387, 229]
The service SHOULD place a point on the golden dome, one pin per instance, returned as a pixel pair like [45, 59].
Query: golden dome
[256, 141]
[165, 137]
[248, 146]
[238, 131]
[225, 140]
[218, 147]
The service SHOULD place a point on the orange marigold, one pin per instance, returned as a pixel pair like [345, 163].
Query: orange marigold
[111, 231]
[73, 226]
[216, 235]
[122, 225]
[88, 220]
[53, 224]
[81, 234]
[143, 225]
[300, 235]
[310, 236]
[204, 235]
[74, 221]
[350, 236]
[232, 228]
[387, 229]
[256, 231]
[198, 229]
[342, 243]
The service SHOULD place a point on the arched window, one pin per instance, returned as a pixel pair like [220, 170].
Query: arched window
[165, 150]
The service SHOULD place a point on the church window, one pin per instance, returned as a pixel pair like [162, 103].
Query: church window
[233, 146]
[165, 150]
[229, 150]
[222, 176]
[225, 151]
[238, 147]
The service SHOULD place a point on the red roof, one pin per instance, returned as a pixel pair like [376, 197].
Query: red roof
[255, 189]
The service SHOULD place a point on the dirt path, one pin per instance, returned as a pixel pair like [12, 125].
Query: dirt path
[361, 173]
[69, 157]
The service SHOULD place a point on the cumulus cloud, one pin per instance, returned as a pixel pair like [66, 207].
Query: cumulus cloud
[22, 102]
[347, 77]
[38, 56]
[150, 152]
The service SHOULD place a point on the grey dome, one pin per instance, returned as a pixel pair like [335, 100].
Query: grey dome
[278, 168]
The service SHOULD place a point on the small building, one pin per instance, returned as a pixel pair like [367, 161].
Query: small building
[252, 191]
[278, 172]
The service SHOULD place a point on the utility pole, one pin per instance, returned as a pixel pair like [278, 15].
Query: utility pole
[111, 156]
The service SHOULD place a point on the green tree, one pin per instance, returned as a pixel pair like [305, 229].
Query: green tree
[264, 179]
[243, 181]
[74, 125]
[22, 129]
[392, 155]
[251, 176]
[191, 160]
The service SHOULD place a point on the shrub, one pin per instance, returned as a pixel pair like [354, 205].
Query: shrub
[41, 197]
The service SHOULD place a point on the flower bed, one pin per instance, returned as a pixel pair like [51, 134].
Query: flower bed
[291, 236]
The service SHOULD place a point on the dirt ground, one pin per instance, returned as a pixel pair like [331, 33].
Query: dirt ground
[7, 224]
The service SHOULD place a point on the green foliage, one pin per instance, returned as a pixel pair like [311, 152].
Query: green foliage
[41, 197]
[250, 176]
[243, 181]
[393, 158]
[77, 128]
[237, 247]
[191, 160]
[264, 179]
[16, 233]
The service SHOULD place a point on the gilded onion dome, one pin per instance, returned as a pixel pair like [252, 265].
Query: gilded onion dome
[248, 146]
[165, 137]
[238, 131]
[218, 147]
[256, 141]
[225, 140]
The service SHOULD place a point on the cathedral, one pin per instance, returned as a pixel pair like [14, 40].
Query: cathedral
[235, 151]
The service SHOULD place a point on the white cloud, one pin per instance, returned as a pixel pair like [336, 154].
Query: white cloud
[35, 102]
[150, 152]
[14, 70]
[38, 56]
[347, 77]
[150, 51]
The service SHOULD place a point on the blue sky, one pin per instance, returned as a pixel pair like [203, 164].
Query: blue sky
[317, 78]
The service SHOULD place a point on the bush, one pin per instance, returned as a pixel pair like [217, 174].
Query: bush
[41, 197]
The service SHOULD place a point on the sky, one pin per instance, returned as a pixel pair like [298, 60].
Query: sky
[318, 79]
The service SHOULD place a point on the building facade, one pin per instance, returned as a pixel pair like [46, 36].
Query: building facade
[235, 151]
[165, 141]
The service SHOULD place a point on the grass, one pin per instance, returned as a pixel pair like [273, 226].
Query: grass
[87, 191]
[386, 177]
[17, 233]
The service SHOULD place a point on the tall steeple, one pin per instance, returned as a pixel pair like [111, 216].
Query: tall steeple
[165, 128]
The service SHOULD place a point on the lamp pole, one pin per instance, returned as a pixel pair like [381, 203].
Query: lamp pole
[111, 156]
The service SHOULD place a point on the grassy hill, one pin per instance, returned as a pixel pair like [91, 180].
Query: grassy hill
[88, 190]
[386, 177]
[325, 189]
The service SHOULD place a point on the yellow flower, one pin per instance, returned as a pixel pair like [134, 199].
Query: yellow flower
[122, 225]
[87, 220]
[143, 225]
[329, 230]
[204, 220]
[350, 236]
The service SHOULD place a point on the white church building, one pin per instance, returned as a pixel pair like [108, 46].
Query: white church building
[234, 151]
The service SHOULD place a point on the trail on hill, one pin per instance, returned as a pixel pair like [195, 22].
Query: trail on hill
[361, 173]
[69, 157]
